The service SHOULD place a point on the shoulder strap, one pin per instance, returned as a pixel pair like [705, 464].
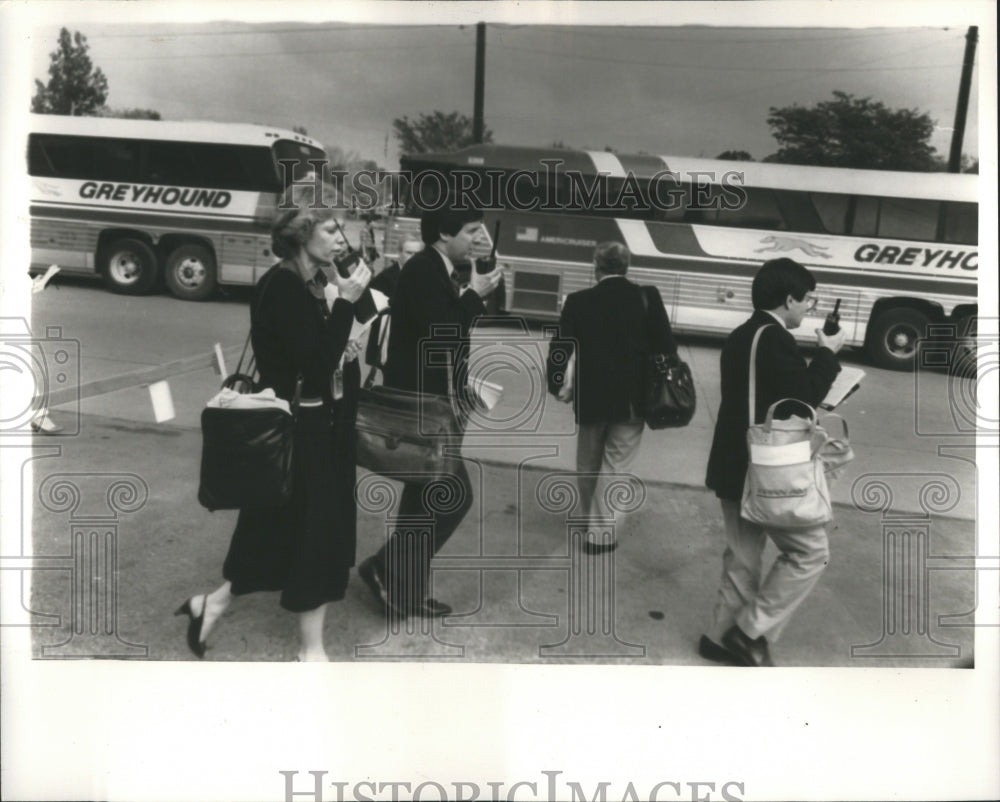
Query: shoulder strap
[377, 363]
[645, 316]
[752, 383]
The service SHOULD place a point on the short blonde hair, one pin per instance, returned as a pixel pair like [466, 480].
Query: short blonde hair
[301, 208]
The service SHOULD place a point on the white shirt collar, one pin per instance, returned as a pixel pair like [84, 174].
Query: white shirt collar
[447, 262]
[772, 314]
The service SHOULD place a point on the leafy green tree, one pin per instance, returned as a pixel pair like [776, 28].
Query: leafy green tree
[75, 86]
[852, 132]
[436, 131]
[735, 156]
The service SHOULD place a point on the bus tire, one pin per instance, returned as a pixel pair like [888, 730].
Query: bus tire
[893, 336]
[190, 272]
[129, 267]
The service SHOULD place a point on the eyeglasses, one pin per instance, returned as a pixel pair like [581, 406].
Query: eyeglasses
[811, 303]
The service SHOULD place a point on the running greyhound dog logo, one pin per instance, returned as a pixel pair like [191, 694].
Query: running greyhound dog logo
[775, 244]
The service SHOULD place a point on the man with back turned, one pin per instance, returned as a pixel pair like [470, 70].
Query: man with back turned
[751, 610]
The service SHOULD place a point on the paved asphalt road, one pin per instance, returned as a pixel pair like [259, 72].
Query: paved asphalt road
[527, 609]
[907, 429]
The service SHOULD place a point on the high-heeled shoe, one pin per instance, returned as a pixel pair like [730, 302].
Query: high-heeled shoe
[43, 424]
[194, 641]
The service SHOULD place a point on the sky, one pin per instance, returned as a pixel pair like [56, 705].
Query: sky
[692, 84]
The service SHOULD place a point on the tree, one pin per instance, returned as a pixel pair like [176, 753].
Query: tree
[435, 132]
[853, 132]
[735, 156]
[75, 86]
[127, 114]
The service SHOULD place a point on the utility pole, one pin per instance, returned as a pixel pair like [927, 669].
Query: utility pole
[958, 132]
[477, 113]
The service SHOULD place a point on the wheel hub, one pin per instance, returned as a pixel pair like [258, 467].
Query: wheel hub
[901, 341]
[191, 273]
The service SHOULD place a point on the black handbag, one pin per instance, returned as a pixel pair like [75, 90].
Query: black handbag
[246, 454]
[405, 435]
[670, 398]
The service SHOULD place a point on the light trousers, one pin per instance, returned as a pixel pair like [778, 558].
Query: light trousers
[764, 607]
[602, 451]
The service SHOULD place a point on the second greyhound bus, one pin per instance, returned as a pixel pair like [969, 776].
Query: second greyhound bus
[899, 249]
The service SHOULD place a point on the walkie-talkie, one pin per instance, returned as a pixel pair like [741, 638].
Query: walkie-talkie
[487, 265]
[832, 323]
[347, 262]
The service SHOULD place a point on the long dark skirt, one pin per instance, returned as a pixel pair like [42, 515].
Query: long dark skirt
[306, 548]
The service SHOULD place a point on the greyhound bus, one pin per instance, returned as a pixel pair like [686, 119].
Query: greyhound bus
[140, 201]
[900, 250]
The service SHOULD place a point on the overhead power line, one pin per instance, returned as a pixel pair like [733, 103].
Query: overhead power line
[712, 68]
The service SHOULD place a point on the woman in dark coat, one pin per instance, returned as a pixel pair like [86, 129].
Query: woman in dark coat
[300, 323]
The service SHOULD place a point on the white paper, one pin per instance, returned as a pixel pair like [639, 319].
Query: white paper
[218, 361]
[846, 382]
[163, 402]
[486, 393]
[40, 282]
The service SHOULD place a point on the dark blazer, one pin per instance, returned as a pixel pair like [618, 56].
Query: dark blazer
[615, 336]
[385, 282]
[782, 372]
[426, 308]
[292, 335]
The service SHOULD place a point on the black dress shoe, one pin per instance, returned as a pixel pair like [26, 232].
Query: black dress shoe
[589, 547]
[433, 608]
[747, 651]
[711, 650]
[368, 571]
[194, 641]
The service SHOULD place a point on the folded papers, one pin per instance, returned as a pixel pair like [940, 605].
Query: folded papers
[265, 399]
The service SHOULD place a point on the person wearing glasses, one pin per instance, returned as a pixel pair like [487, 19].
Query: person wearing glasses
[751, 609]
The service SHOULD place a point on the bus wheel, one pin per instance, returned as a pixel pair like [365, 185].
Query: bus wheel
[892, 340]
[190, 272]
[129, 267]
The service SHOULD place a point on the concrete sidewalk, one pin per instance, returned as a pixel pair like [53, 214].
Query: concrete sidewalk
[522, 592]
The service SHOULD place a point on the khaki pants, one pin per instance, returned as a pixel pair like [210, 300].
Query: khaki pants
[602, 450]
[764, 608]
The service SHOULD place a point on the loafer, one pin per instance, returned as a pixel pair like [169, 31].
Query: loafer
[432, 608]
[747, 651]
[713, 651]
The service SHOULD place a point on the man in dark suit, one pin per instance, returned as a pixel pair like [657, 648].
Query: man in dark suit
[428, 312]
[608, 332]
[385, 282]
[751, 610]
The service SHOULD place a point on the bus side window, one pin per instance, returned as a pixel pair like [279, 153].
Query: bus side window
[39, 163]
[671, 200]
[760, 210]
[799, 213]
[832, 209]
[84, 157]
[909, 218]
[961, 223]
[864, 222]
